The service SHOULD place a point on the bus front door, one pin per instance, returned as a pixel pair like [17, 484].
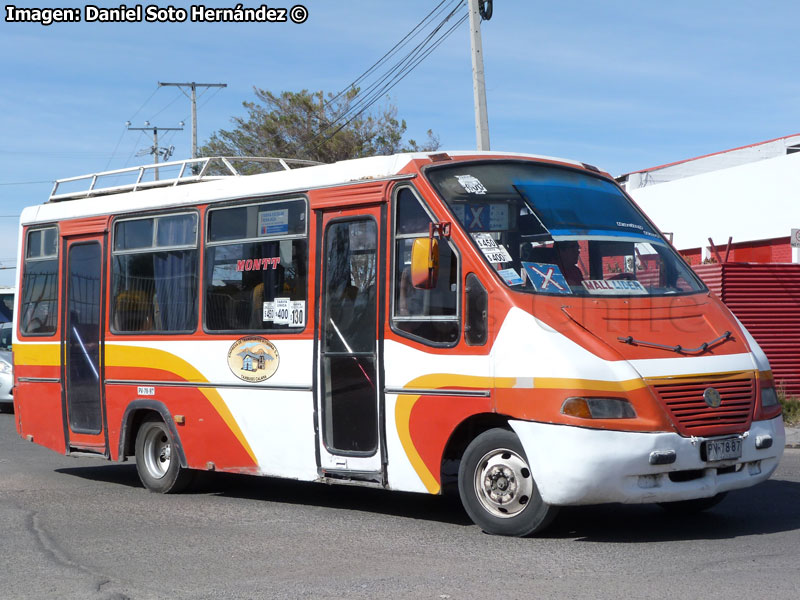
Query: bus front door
[349, 353]
[82, 345]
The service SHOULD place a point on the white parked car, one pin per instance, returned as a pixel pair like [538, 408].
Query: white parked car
[6, 367]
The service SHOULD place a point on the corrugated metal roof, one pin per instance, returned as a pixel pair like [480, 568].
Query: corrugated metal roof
[766, 299]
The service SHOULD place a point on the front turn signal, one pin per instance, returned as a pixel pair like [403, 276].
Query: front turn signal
[598, 408]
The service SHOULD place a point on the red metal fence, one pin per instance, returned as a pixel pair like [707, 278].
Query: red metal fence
[766, 299]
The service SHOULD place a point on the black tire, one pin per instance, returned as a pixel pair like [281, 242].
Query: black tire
[497, 488]
[691, 507]
[157, 462]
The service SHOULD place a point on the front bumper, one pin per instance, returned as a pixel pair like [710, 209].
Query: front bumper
[573, 465]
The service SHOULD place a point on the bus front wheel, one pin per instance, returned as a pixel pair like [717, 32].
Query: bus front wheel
[157, 462]
[497, 488]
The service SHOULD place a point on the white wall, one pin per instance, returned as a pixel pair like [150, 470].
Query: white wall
[712, 162]
[755, 201]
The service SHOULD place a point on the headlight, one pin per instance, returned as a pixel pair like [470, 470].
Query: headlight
[598, 408]
[5, 367]
[768, 397]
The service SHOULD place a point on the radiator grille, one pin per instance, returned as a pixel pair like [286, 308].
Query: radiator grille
[692, 416]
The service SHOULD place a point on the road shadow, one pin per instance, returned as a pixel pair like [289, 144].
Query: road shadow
[770, 507]
[119, 473]
[446, 509]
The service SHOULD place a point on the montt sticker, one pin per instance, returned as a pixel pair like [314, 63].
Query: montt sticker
[253, 359]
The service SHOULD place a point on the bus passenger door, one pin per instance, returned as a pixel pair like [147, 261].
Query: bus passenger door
[349, 373]
[82, 344]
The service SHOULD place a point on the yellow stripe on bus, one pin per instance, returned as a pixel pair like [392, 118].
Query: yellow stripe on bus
[137, 356]
[405, 403]
[38, 354]
[560, 383]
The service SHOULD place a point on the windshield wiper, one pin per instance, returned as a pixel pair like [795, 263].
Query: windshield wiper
[679, 349]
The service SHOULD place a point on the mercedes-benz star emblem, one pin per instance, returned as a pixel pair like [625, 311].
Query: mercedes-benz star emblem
[712, 397]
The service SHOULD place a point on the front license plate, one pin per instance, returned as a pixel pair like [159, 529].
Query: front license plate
[723, 449]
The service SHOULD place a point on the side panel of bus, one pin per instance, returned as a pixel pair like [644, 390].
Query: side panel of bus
[439, 380]
[337, 405]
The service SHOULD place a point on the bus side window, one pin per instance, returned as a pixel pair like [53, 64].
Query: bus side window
[430, 315]
[154, 274]
[39, 302]
[256, 261]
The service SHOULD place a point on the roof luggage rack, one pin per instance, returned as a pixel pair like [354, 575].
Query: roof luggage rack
[190, 170]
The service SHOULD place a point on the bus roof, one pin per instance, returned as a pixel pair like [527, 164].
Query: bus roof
[197, 190]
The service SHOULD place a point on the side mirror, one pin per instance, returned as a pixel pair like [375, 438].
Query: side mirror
[425, 263]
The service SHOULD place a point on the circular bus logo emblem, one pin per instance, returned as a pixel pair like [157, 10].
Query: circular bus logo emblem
[253, 359]
[712, 398]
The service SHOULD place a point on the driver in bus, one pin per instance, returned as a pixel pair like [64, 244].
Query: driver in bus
[567, 254]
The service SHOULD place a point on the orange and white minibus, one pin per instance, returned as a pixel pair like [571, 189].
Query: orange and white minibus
[510, 325]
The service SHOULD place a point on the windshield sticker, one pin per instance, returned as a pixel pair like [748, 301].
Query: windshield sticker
[297, 313]
[269, 311]
[483, 216]
[271, 222]
[607, 287]
[546, 278]
[484, 241]
[471, 184]
[497, 255]
[510, 276]
[282, 310]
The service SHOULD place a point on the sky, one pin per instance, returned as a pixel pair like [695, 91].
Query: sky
[623, 85]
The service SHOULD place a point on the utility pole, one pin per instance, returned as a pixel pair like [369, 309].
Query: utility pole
[479, 9]
[155, 150]
[193, 97]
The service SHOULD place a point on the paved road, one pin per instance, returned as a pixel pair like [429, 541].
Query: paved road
[78, 528]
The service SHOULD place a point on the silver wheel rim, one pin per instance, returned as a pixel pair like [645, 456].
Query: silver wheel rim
[157, 452]
[503, 483]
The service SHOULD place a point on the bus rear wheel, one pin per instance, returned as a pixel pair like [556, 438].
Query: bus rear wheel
[497, 488]
[157, 462]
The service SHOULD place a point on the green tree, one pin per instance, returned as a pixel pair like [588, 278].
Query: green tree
[312, 126]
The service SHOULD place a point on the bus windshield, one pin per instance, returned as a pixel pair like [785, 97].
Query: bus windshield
[560, 231]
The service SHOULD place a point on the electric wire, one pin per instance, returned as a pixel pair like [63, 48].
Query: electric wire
[138, 110]
[170, 103]
[135, 143]
[408, 63]
[393, 76]
[376, 86]
[110, 158]
[217, 90]
[385, 57]
[26, 182]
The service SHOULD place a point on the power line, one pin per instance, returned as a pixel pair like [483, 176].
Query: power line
[170, 103]
[110, 158]
[193, 97]
[383, 58]
[143, 104]
[124, 129]
[135, 143]
[363, 100]
[377, 88]
[401, 68]
[25, 182]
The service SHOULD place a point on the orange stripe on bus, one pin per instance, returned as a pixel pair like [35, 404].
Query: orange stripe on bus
[131, 356]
